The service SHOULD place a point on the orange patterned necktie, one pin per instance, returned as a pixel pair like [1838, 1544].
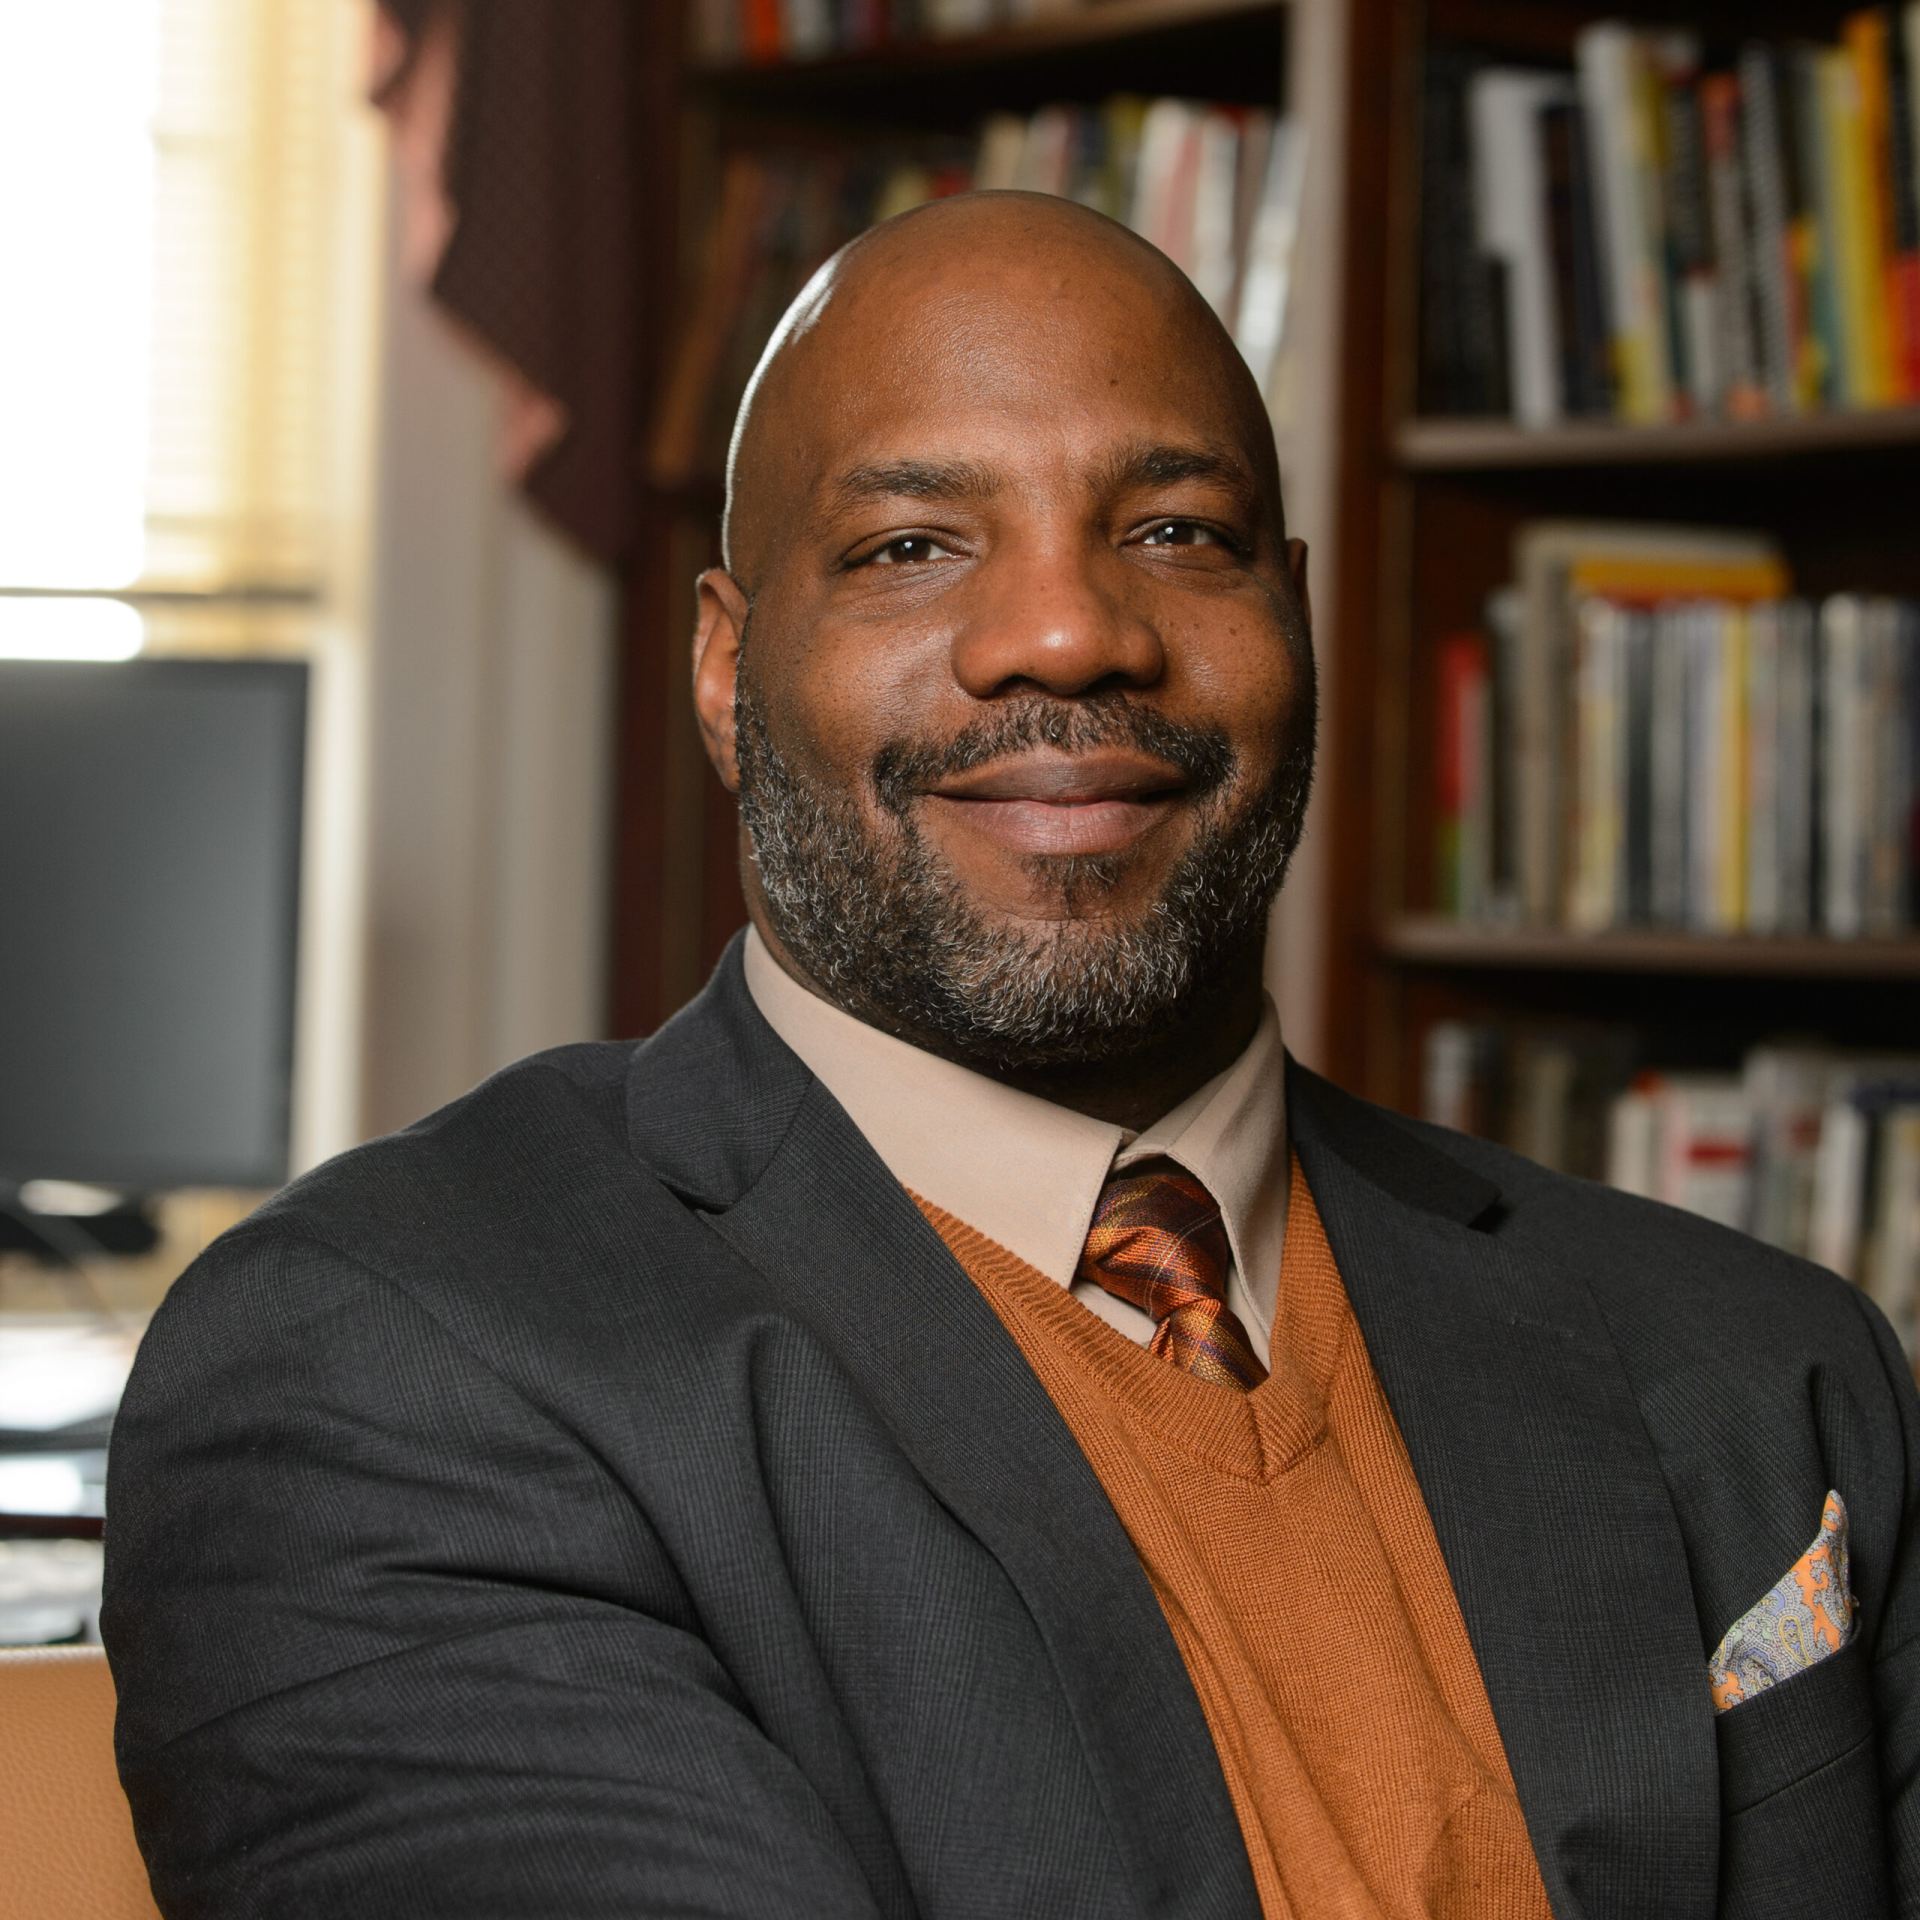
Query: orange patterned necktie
[1158, 1243]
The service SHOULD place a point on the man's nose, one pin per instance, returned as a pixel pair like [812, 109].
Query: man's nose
[1061, 621]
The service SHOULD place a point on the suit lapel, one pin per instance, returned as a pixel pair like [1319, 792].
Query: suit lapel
[1550, 1509]
[724, 1112]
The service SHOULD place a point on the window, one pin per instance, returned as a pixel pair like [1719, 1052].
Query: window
[175, 186]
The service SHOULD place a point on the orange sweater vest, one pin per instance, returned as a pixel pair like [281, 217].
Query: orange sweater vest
[1292, 1554]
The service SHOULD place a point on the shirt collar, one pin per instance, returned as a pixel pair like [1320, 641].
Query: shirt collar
[1027, 1172]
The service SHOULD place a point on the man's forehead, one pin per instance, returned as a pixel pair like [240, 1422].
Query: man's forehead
[926, 470]
[1022, 346]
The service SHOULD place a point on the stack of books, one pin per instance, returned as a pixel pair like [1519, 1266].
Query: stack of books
[1215, 188]
[1653, 731]
[1656, 235]
[764, 31]
[1814, 1150]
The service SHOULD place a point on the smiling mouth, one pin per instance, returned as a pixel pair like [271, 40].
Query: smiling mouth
[1097, 802]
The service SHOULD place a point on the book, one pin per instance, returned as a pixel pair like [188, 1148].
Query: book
[1773, 240]
[1506, 648]
[1657, 235]
[1759, 803]
[1738, 389]
[1887, 779]
[1652, 731]
[1844, 746]
[1902, 39]
[1670, 854]
[1705, 1148]
[1859, 276]
[1573, 238]
[1867, 131]
[1462, 332]
[1718, 701]
[1596, 885]
[1786, 1088]
[1504, 108]
[1461, 818]
[1615, 83]
[1827, 342]
[1795, 761]
[1557, 564]
[1692, 276]
[1633, 1139]
[1260, 324]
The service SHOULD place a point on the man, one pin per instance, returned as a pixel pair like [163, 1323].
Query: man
[954, 1425]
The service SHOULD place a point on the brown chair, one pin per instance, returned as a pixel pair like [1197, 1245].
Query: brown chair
[66, 1839]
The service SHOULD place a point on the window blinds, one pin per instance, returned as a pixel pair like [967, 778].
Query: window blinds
[170, 185]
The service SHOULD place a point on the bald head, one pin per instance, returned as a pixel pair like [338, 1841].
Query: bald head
[1023, 735]
[971, 294]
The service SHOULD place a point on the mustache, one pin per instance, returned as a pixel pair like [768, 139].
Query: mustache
[903, 769]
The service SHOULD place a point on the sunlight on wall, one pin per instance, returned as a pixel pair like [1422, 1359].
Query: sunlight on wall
[76, 629]
[78, 82]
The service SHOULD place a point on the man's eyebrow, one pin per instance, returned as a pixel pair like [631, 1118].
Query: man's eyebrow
[913, 480]
[1162, 464]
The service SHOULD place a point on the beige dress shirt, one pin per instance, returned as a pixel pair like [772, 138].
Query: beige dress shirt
[1026, 1172]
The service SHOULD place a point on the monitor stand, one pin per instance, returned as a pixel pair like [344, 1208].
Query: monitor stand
[127, 1228]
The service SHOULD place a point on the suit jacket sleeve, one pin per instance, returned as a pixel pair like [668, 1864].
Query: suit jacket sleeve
[389, 1641]
[1895, 1643]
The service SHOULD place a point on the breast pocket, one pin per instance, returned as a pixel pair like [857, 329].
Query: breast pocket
[1800, 1799]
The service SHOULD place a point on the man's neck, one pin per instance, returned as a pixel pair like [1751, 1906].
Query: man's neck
[1131, 1089]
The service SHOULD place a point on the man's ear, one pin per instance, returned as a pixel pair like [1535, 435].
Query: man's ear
[719, 625]
[1297, 566]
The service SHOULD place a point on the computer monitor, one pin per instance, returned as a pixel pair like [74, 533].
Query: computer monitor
[149, 887]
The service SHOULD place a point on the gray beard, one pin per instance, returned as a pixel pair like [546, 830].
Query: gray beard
[885, 931]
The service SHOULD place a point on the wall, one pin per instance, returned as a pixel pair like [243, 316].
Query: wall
[489, 701]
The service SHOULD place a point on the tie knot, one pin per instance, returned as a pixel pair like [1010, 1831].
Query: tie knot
[1157, 1239]
[1158, 1242]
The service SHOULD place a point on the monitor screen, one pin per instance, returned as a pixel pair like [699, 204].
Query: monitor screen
[149, 882]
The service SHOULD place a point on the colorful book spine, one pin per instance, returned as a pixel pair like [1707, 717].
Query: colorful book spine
[1770, 241]
[1459, 788]
[1825, 365]
[1868, 36]
[1738, 390]
[1902, 40]
[1615, 87]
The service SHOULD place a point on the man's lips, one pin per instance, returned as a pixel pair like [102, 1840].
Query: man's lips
[1059, 803]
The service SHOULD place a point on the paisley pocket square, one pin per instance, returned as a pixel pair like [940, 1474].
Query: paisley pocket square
[1805, 1617]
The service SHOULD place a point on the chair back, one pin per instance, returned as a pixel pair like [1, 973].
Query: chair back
[67, 1850]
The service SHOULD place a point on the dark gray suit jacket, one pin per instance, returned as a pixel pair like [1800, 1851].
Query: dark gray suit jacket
[608, 1498]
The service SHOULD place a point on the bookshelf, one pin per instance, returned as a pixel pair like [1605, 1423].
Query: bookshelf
[1473, 445]
[1429, 507]
[1200, 36]
[1411, 517]
[1433, 941]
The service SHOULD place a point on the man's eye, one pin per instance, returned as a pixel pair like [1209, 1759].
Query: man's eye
[1183, 533]
[909, 550]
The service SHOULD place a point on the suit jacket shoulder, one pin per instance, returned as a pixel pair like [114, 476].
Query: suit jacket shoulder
[1666, 1271]
[1752, 1369]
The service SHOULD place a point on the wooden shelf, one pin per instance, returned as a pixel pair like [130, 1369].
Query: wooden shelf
[1469, 446]
[1428, 940]
[1064, 30]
